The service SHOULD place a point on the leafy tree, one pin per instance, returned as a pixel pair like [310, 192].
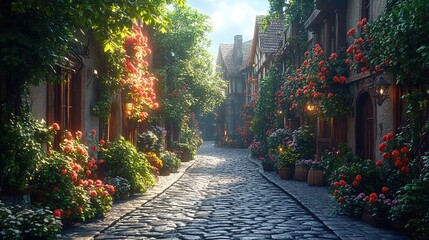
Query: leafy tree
[184, 64]
[36, 35]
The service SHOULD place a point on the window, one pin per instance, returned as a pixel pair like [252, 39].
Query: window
[365, 7]
[64, 101]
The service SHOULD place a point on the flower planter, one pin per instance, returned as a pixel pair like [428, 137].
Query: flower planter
[315, 177]
[301, 172]
[164, 172]
[285, 173]
[186, 156]
[268, 167]
[375, 221]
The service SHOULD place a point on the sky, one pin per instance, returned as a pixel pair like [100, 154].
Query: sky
[230, 18]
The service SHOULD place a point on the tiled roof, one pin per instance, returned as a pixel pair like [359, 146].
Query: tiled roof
[271, 38]
[226, 53]
[246, 53]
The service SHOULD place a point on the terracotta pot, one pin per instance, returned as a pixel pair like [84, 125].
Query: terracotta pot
[164, 172]
[315, 177]
[285, 173]
[186, 156]
[301, 172]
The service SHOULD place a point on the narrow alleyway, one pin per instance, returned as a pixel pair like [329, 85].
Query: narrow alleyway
[222, 196]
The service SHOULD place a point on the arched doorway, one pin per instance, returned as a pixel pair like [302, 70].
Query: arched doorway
[365, 126]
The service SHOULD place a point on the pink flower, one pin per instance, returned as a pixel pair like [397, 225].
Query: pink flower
[93, 132]
[330, 95]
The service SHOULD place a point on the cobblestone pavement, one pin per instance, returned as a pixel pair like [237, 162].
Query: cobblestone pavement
[222, 196]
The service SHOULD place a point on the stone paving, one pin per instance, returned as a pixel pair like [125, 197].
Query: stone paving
[223, 195]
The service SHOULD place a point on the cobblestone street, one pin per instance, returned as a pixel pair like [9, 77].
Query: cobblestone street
[222, 196]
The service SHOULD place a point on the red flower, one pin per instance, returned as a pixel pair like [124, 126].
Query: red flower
[105, 193]
[55, 189]
[80, 150]
[341, 199]
[90, 182]
[350, 32]
[88, 172]
[93, 193]
[67, 148]
[385, 189]
[386, 155]
[330, 95]
[98, 182]
[100, 161]
[358, 178]
[93, 132]
[335, 192]
[343, 183]
[102, 142]
[57, 213]
[69, 135]
[94, 148]
[398, 163]
[382, 146]
[379, 163]
[405, 149]
[78, 134]
[55, 126]
[63, 172]
[395, 153]
[405, 170]
[388, 137]
[333, 56]
[68, 212]
[355, 183]
[336, 184]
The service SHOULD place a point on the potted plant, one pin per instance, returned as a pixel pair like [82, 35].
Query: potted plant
[268, 163]
[286, 158]
[315, 174]
[301, 169]
[171, 163]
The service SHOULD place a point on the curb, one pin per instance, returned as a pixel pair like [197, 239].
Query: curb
[317, 204]
[91, 229]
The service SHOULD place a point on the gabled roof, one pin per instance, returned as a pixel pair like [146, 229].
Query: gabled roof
[269, 39]
[246, 53]
[226, 54]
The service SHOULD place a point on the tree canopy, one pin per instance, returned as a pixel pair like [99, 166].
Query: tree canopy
[185, 65]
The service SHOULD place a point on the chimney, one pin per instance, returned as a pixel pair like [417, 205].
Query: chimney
[237, 52]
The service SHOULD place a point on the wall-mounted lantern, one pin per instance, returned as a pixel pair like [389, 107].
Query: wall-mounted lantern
[279, 112]
[310, 107]
[128, 106]
[381, 89]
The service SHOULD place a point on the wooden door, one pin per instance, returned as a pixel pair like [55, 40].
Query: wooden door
[365, 127]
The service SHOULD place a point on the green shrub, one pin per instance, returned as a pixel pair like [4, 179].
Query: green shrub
[122, 159]
[170, 161]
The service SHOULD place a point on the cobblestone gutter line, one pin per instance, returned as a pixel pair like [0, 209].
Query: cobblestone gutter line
[90, 230]
[317, 201]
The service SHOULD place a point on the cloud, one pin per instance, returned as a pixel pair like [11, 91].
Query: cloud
[230, 18]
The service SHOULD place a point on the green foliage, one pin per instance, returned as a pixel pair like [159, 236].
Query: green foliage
[18, 222]
[286, 157]
[170, 161]
[185, 69]
[20, 148]
[122, 159]
[400, 36]
[305, 141]
[412, 203]
[265, 108]
[279, 137]
[335, 158]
